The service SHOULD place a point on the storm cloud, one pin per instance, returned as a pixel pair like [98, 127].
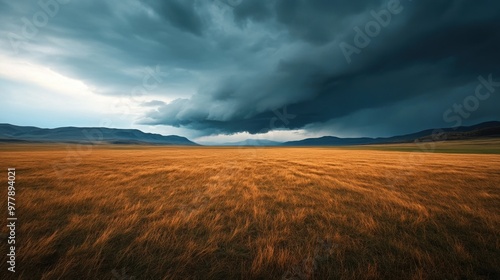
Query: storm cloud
[367, 68]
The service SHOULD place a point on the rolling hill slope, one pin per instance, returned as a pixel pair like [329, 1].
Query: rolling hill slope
[482, 130]
[91, 135]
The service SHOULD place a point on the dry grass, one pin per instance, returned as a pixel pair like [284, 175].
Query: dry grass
[476, 146]
[268, 213]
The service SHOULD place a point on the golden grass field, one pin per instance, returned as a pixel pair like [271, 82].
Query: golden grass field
[118, 212]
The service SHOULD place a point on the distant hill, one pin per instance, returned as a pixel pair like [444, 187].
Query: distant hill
[253, 142]
[330, 141]
[92, 135]
[25, 134]
[482, 130]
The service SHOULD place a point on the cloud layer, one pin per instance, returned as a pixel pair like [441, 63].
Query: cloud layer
[231, 66]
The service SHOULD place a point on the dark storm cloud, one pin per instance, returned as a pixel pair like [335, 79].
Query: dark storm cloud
[428, 50]
[250, 60]
[108, 44]
[181, 14]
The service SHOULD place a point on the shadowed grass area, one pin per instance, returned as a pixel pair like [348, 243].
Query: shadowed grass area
[104, 212]
[482, 146]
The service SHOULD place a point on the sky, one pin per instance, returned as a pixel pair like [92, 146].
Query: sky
[227, 70]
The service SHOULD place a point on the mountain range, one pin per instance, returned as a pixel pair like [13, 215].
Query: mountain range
[102, 135]
[482, 130]
[90, 135]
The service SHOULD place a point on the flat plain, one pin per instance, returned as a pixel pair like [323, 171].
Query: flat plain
[143, 212]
